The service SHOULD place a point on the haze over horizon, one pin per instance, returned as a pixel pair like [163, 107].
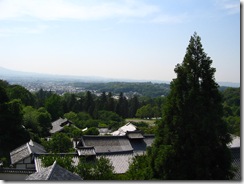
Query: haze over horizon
[123, 39]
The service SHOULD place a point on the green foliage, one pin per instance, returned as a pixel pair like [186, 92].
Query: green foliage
[106, 118]
[89, 104]
[54, 106]
[100, 169]
[37, 121]
[72, 131]
[145, 112]
[19, 92]
[4, 162]
[139, 169]
[191, 141]
[122, 106]
[41, 97]
[91, 131]
[12, 132]
[110, 119]
[81, 119]
[145, 128]
[59, 143]
[231, 97]
[143, 88]
[64, 161]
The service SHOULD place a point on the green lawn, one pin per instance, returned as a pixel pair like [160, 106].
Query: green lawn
[150, 122]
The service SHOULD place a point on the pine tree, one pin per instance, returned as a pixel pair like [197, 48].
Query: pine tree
[191, 141]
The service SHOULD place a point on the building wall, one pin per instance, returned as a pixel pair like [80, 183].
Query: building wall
[26, 163]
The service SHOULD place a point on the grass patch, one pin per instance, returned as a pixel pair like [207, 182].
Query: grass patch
[150, 122]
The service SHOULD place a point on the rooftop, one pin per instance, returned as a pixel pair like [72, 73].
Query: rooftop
[106, 144]
[26, 150]
[54, 172]
[122, 130]
[59, 125]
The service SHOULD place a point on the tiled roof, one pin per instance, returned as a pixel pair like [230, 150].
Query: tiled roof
[54, 172]
[134, 135]
[236, 162]
[120, 162]
[107, 144]
[86, 151]
[19, 154]
[59, 124]
[26, 150]
[148, 139]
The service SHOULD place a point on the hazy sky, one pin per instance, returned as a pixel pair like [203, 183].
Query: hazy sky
[130, 39]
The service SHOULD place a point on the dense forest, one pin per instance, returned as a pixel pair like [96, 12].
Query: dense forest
[36, 111]
[148, 89]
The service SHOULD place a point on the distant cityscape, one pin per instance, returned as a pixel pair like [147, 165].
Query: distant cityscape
[68, 84]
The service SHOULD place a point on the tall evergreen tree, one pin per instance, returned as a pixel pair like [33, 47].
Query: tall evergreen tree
[122, 106]
[12, 132]
[133, 106]
[192, 138]
[89, 104]
[111, 103]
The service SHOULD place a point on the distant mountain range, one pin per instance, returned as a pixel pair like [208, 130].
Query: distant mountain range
[7, 74]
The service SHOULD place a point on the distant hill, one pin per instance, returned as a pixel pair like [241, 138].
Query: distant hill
[229, 84]
[8, 74]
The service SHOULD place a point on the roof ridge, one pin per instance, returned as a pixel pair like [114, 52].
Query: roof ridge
[28, 146]
[52, 169]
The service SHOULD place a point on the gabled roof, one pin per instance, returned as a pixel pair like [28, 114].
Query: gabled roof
[59, 124]
[106, 144]
[26, 150]
[122, 130]
[54, 172]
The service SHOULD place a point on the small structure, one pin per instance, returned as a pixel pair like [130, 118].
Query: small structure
[23, 156]
[103, 131]
[54, 173]
[120, 150]
[122, 130]
[58, 125]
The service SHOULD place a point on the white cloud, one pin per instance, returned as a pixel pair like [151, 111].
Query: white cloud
[230, 6]
[164, 18]
[78, 10]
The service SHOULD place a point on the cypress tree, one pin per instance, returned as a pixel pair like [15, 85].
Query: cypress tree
[191, 141]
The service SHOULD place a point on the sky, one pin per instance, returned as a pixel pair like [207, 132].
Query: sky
[120, 39]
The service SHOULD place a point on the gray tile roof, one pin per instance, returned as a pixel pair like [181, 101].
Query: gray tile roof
[134, 135]
[236, 162]
[26, 150]
[148, 139]
[19, 154]
[59, 125]
[106, 144]
[54, 172]
[120, 161]
[86, 151]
